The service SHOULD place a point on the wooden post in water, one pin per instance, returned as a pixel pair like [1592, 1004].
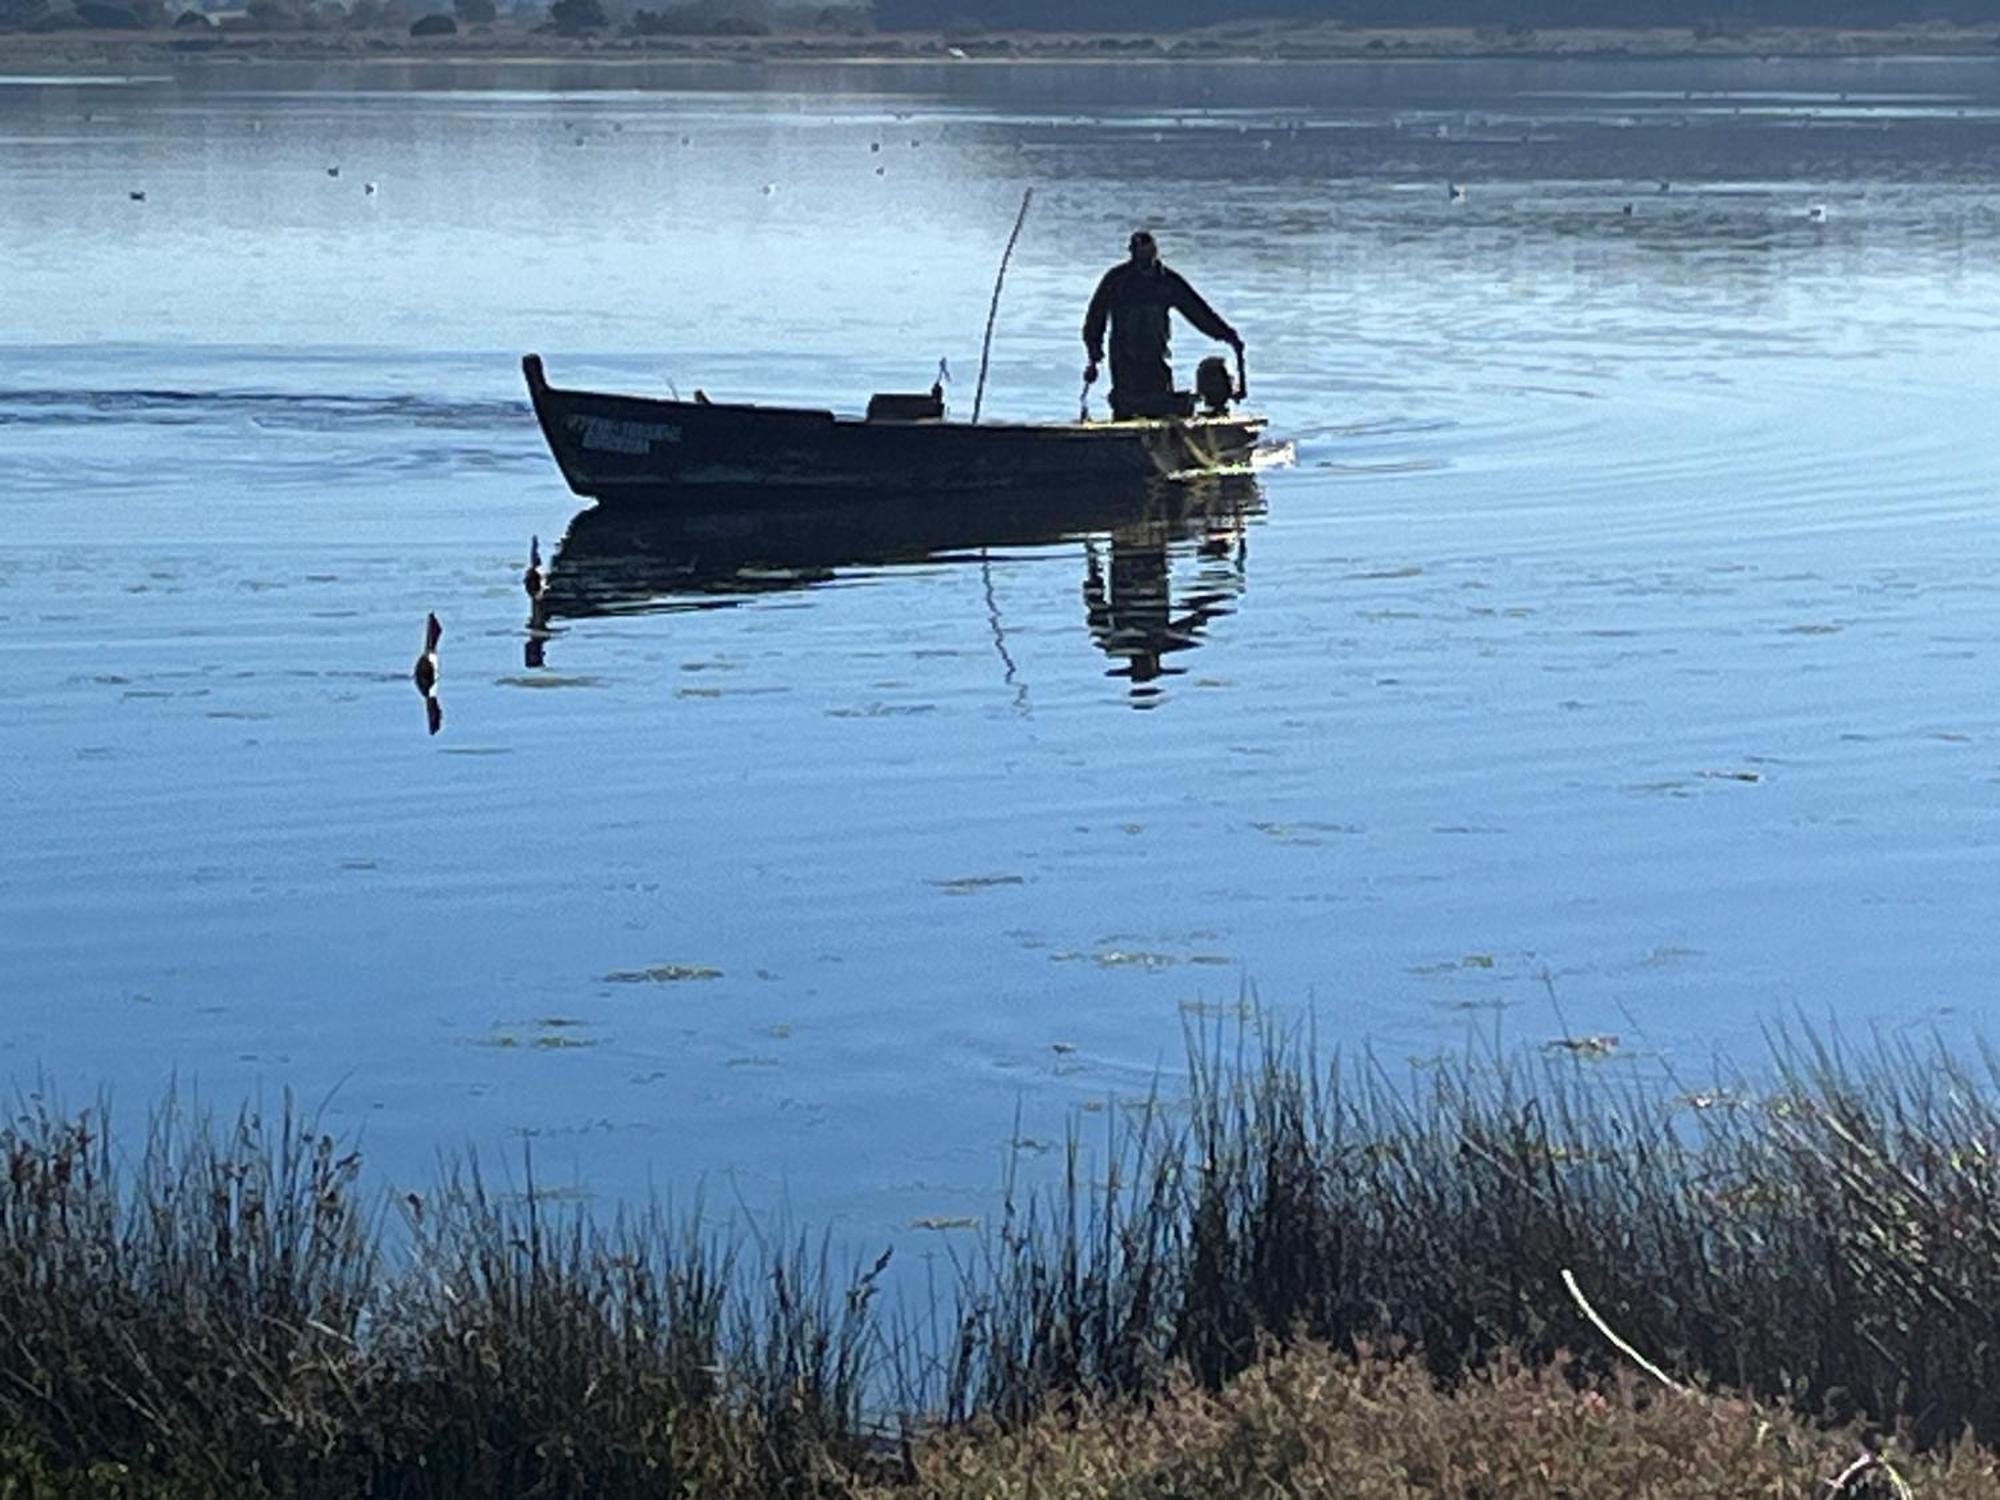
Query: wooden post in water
[993, 312]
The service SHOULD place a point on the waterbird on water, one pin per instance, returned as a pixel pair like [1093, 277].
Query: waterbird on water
[425, 673]
[1458, 192]
[136, 197]
[533, 581]
[368, 188]
[333, 171]
[1817, 213]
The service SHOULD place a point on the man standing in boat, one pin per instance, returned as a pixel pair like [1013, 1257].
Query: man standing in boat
[1135, 298]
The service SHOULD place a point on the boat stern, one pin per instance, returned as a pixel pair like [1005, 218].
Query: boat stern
[1203, 445]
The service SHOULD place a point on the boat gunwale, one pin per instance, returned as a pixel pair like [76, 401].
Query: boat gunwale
[540, 389]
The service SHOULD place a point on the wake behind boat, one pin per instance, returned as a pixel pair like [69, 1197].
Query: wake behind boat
[622, 447]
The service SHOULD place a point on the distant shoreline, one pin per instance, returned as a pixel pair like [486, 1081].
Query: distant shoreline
[80, 51]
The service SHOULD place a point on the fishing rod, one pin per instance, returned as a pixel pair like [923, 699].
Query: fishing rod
[993, 311]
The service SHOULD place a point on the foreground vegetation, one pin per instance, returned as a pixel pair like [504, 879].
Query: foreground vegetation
[1282, 1278]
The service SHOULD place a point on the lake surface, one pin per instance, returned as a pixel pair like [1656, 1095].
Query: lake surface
[1617, 656]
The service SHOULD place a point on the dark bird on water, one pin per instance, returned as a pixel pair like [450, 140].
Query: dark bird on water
[534, 581]
[333, 171]
[425, 673]
[137, 197]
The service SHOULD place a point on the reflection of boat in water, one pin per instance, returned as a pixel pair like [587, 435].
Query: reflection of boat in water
[618, 559]
[615, 559]
[659, 452]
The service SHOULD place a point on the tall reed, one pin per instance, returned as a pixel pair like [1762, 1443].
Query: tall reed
[225, 1310]
[1831, 1238]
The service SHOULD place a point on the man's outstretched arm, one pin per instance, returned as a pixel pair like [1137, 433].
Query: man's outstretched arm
[1189, 303]
[1095, 319]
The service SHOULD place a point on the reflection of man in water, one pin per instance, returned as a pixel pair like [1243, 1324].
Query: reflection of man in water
[1135, 298]
[1129, 604]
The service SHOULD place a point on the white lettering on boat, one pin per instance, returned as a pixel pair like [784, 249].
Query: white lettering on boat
[611, 435]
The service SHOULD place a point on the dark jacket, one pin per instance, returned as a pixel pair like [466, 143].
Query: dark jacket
[1136, 301]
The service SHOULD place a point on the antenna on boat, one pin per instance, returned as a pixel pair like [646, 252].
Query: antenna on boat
[993, 311]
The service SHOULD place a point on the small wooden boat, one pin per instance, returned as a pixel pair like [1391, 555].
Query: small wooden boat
[615, 447]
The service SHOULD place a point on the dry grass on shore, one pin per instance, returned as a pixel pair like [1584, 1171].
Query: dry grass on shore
[1309, 1421]
[1815, 1260]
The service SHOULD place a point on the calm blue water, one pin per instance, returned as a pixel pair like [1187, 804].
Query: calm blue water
[1626, 625]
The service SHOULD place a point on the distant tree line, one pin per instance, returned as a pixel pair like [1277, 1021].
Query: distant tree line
[697, 17]
[422, 17]
[1068, 15]
[446, 17]
[760, 17]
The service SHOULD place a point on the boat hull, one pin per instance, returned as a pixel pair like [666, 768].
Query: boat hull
[614, 447]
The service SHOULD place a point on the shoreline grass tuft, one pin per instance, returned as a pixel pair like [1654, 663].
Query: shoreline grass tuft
[1808, 1264]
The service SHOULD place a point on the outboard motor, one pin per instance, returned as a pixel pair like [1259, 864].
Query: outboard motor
[1214, 384]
